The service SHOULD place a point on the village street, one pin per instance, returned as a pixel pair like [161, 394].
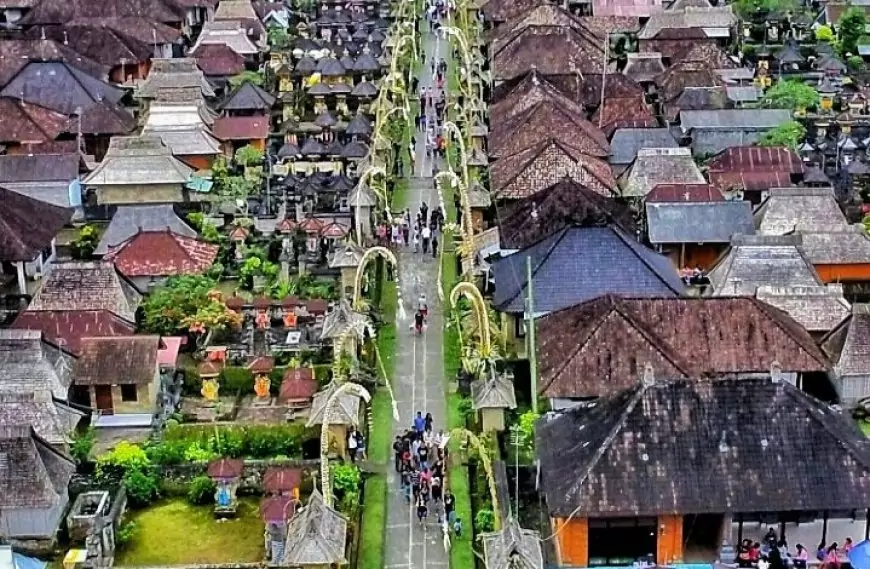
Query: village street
[419, 379]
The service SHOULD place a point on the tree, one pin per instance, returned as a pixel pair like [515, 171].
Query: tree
[825, 34]
[278, 37]
[249, 155]
[850, 28]
[788, 134]
[747, 9]
[187, 302]
[791, 94]
[85, 242]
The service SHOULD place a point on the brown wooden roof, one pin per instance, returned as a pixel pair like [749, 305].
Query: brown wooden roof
[601, 346]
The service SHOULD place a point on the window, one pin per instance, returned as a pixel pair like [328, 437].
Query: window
[520, 326]
[129, 393]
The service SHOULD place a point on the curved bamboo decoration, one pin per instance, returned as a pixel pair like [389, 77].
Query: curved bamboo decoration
[357, 390]
[339, 346]
[487, 467]
[452, 127]
[370, 254]
[478, 305]
[465, 224]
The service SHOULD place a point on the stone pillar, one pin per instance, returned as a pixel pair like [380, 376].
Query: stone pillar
[22, 279]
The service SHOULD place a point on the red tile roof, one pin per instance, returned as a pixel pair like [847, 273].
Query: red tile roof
[241, 128]
[684, 193]
[162, 253]
[27, 123]
[261, 364]
[66, 328]
[277, 509]
[226, 468]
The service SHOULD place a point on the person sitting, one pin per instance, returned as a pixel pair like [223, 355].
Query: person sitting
[801, 557]
[743, 554]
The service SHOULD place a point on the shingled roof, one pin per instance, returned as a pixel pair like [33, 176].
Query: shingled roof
[503, 10]
[176, 73]
[27, 225]
[579, 263]
[690, 18]
[625, 143]
[631, 8]
[512, 548]
[162, 253]
[564, 204]
[599, 347]
[687, 447]
[35, 474]
[819, 309]
[624, 112]
[87, 286]
[853, 358]
[654, 166]
[137, 161]
[545, 48]
[546, 120]
[248, 97]
[218, 60]
[58, 12]
[316, 535]
[549, 15]
[122, 360]
[538, 167]
[789, 210]
[758, 260]
[844, 247]
[15, 54]
[531, 90]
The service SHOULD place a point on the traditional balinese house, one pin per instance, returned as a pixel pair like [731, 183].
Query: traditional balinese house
[840, 256]
[759, 260]
[17, 53]
[523, 223]
[148, 258]
[316, 536]
[28, 232]
[121, 379]
[230, 33]
[512, 548]
[628, 111]
[87, 286]
[94, 105]
[35, 386]
[797, 210]
[689, 85]
[711, 132]
[641, 473]
[694, 234]
[684, 193]
[49, 178]
[669, 31]
[643, 68]
[596, 348]
[654, 166]
[130, 220]
[490, 397]
[531, 90]
[344, 414]
[235, 132]
[819, 309]
[168, 76]
[184, 127]
[499, 12]
[55, 12]
[248, 100]
[625, 143]
[538, 167]
[298, 387]
[751, 171]
[140, 170]
[346, 259]
[242, 11]
[848, 346]
[35, 481]
[561, 271]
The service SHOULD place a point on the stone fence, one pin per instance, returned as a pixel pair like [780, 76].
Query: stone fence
[252, 475]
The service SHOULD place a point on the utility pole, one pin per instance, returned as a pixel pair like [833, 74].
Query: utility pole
[530, 333]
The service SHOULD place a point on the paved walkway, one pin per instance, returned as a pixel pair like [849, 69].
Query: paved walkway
[419, 381]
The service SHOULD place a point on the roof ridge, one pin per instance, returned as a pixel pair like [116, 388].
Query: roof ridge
[634, 245]
[654, 340]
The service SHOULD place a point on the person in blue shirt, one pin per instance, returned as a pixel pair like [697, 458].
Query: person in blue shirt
[419, 424]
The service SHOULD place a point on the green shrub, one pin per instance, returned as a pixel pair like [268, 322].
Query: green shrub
[484, 521]
[124, 458]
[186, 443]
[173, 488]
[346, 485]
[197, 453]
[82, 444]
[125, 534]
[201, 490]
[142, 487]
[235, 379]
[167, 452]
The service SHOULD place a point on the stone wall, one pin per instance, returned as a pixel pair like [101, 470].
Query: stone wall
[252, 477]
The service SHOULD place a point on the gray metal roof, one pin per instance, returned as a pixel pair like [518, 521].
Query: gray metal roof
[37, 474]
[847, 246]
[698, 222]
[627, 141]
[734, 119]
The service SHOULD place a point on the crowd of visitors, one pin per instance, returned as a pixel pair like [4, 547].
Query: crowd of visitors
[420, 459]
[773, 553]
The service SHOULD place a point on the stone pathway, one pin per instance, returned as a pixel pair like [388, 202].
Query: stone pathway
[419, 381]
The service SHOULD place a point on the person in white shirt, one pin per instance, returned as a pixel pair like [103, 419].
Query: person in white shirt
[351, 446]
[427, 235]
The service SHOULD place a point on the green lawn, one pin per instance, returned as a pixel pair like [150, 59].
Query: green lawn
[203, 538]
[382, 410]
[865, 427]
[374, 520]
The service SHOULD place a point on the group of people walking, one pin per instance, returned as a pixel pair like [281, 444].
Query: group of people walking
[420, 459]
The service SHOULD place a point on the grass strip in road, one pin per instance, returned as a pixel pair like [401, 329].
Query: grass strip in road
[374, 523]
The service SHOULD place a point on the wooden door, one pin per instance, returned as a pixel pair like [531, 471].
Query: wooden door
[104, 399]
